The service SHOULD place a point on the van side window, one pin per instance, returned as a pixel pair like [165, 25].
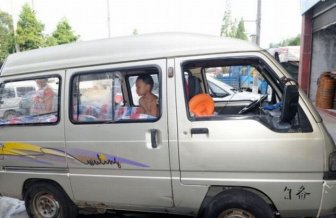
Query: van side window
[244, 88]
[32, 101]
[231, 88]
[100, 97]
[8, 93]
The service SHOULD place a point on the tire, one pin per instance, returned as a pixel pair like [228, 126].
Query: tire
[45, 200]
[9, 115]
[236, 203]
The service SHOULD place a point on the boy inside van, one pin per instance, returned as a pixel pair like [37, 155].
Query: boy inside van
[148, 101]
[42, 101]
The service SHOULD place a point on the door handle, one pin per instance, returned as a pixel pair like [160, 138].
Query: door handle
[154, 133]
[199, 131]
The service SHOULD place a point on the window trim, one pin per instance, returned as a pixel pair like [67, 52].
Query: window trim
[113, 70]
[59, 98]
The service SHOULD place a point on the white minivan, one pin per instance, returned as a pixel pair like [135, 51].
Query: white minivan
[98, 148]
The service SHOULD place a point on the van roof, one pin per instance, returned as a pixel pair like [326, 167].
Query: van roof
[120, 49]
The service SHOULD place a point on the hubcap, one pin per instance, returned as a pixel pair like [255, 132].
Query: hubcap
[10, 116]
[46, 205]
[235, 213]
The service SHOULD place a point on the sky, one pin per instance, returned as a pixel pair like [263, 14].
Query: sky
[280, 19]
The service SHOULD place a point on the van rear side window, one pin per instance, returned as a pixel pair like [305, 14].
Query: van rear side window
[107, 97]
[32, 101]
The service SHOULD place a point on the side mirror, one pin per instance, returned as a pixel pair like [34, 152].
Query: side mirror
[290, 99]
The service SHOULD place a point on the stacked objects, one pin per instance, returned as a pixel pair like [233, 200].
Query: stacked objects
[326, 90]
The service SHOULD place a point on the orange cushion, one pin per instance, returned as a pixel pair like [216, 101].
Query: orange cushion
[202, 105]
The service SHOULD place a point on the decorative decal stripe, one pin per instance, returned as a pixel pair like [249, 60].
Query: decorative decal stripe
[18, 150]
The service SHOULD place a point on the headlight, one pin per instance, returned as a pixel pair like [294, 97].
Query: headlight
[332, 161]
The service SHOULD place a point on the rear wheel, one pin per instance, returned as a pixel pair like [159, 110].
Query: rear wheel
[10, 115]
[45, 200]
[238, 204]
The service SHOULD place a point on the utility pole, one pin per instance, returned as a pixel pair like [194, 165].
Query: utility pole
[33, 5]
[108, 18]
[258, 22]
[17, 48]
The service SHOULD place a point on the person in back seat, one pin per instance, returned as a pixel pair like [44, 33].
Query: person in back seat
[148, 101]
[42, 100]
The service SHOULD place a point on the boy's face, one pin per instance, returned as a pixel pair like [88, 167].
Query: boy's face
[141, 87]
[41, 82]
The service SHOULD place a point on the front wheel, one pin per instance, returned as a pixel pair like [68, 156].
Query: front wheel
[238, 204]
[44, 200]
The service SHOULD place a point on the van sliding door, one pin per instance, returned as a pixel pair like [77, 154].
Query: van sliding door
[117, 153]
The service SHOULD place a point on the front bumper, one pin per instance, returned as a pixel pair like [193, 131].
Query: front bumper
[328, 201]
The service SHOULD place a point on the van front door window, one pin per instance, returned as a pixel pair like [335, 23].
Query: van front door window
[244, 88]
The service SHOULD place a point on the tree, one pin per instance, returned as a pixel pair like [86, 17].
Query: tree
[29, 30]
[7, 42]
[295, 40]
[240, 33]
[135, 32]
[287, 42]
[50, 41]
[230, 28]
[63, 34]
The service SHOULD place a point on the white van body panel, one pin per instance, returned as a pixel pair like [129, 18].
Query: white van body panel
[227, 157]
[18, 168]
[140, 47]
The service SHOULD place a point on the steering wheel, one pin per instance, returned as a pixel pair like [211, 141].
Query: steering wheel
[253, 105]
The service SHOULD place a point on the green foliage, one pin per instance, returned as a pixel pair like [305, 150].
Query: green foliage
[135, 32]
[7, 42]
[29, 33]
[63, 34]
[295, 41]
[240, 33]
[230, 28]
[287, 42]
[50, 41]
[29, 30]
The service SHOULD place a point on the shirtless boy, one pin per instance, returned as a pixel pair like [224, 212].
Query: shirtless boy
[148, 101]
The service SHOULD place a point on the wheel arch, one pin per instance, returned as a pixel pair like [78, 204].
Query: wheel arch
[213, 191]
[9, 111]
[28, 182]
